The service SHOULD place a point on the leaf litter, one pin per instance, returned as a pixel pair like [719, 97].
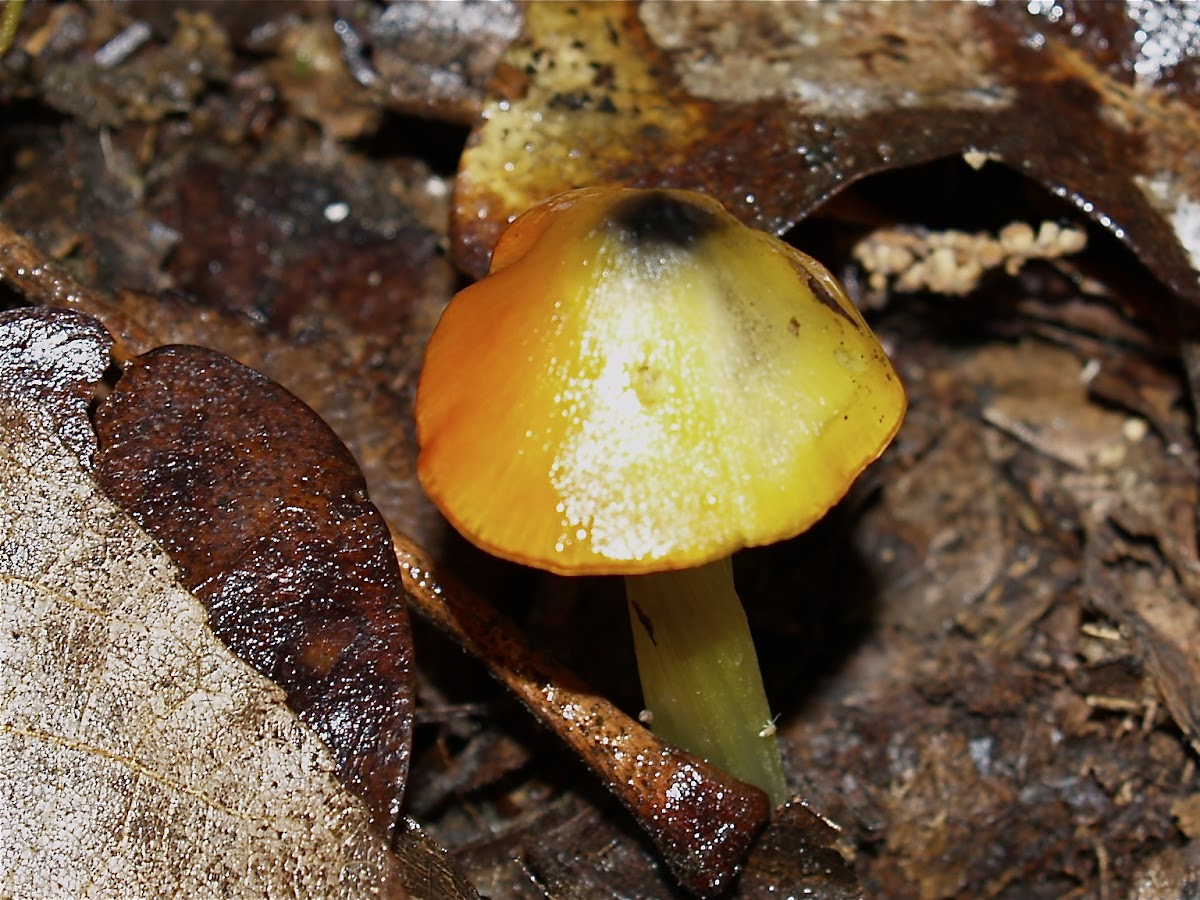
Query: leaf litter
[982, 659]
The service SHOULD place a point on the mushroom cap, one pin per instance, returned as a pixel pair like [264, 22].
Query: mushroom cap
[643, 383]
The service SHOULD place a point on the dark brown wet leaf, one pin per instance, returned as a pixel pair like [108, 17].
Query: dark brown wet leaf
[266, 514]
[773, 108]
[298, 238]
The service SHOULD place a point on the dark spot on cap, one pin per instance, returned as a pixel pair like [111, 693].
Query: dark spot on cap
[657, 218]
[827, 299]
[794, 325]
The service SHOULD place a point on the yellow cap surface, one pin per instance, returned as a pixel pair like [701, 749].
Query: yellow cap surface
[643, 383]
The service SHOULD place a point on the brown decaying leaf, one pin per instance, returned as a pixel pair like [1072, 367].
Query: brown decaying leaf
[429, 871]
[137, 754]
[772, 108]
[265, 513]
[347, 304]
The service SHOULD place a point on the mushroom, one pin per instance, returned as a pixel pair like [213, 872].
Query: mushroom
[641, 386]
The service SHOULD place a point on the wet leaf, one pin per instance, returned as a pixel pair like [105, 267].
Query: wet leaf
[773, 108]
[139, 755]
[428, 869]
[265, 513]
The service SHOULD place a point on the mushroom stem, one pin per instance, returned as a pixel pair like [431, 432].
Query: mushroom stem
[700, 677]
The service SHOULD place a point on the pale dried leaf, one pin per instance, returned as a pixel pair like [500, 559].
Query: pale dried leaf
[138, 756]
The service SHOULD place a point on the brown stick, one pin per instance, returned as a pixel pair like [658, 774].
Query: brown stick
[702, 820]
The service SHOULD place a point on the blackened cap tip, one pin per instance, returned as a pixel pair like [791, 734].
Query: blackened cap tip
[651, 218]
